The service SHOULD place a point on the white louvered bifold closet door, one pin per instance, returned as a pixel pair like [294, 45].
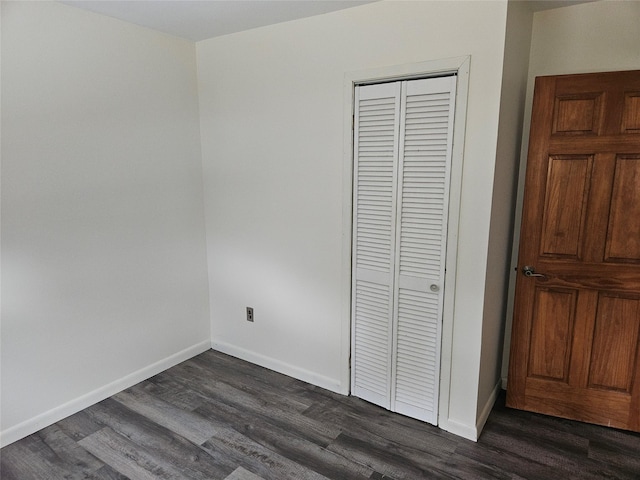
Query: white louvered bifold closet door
[402, 150]
[377, 121]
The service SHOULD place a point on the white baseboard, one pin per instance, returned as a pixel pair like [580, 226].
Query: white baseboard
[281, 367]
[461, 429]
[56, 414]
[472, 432]
[486, 411]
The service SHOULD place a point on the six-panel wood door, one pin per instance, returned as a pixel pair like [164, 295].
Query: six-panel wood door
[575, 350]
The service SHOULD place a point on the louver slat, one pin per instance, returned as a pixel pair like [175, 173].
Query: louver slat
[375, 177]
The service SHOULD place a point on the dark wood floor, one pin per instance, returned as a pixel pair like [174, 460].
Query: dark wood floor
[216, 417]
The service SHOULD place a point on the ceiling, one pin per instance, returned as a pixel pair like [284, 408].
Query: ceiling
[200, 19]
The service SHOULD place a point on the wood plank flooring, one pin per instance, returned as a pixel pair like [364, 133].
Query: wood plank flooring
[217, 417]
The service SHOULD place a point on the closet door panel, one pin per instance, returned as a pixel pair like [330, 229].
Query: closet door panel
[376, 126]
[425, 149]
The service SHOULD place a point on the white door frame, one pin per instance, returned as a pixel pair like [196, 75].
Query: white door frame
[460, 67]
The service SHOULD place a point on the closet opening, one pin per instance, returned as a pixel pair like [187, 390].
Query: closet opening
[403, 147]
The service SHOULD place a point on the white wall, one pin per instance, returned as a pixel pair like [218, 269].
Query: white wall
[271, 104]
[592, 37]
[514, 85]
[104, 277]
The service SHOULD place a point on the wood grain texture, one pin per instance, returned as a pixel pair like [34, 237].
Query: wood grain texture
[216, 417]
[623, 239]
[242, 474]
[128, 458]
[551, 331]
[631, 118]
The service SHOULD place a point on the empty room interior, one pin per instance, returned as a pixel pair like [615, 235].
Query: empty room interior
[163, 173]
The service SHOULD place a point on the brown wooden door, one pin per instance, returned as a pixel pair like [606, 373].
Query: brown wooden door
[575, 348]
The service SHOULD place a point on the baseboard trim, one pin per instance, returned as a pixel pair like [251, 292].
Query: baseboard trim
[468, 431]
[280, 367]
[56, 414]
[486, 411]
[460, 429]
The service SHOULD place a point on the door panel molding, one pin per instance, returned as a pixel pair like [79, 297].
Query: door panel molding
[623, 245]
[568, 182]
[550, 347]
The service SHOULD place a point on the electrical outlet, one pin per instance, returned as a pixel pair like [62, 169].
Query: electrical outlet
[249, 314]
